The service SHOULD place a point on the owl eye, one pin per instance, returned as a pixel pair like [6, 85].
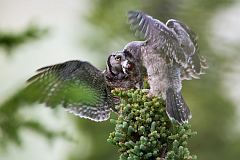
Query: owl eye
[118, 58]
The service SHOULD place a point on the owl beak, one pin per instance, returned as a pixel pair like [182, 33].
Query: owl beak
[126, 66]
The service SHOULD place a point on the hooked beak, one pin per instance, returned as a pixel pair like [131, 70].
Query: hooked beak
[126, 66]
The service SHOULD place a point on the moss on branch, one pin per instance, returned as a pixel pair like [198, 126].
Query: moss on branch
[143, 130]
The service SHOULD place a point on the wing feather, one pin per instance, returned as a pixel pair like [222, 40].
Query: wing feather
[188, 40]
[158, 35]
[76, 85]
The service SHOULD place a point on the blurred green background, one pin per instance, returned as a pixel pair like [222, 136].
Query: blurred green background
[38, 33]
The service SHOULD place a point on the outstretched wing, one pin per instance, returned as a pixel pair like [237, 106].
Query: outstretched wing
[157, 34]
[185, 36]
[188, 41]
[76, 85]
[195, 67]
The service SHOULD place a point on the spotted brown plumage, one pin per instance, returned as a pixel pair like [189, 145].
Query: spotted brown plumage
[77, 86]
[123, 71]
[81, 88]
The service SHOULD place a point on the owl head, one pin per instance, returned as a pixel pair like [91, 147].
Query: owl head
[134, 48]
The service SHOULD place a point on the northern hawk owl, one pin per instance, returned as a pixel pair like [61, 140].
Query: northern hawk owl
[170, 55]
[81, 88]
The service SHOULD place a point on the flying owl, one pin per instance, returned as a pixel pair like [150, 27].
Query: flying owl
[170, 55]
[81, 88]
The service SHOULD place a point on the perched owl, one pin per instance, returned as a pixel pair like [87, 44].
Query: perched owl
[123, 71]
[170, 55]
[81, 88]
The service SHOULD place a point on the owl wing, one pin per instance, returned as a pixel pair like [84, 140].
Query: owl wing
[157, 34]
[188, 41]
[186, 37]
[76, 85]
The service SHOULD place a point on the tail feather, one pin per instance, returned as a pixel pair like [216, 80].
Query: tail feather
[176, 107]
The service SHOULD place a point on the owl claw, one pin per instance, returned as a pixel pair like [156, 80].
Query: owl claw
[116, 100]
[145, 91]
[149, 94]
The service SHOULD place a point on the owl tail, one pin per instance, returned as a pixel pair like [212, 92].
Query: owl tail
[176, 107]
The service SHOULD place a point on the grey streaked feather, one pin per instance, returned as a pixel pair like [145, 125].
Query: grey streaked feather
[176, 107]
[170, 55]
[157, 34]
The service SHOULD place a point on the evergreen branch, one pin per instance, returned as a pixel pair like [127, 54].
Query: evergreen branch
[143, 130]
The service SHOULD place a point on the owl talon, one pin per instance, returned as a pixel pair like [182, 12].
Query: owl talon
[145, 91]
[116, 100]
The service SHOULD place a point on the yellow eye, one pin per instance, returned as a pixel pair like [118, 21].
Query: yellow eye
[118, 58]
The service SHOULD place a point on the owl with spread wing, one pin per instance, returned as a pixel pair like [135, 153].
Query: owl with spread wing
[170, 55]
[81, 88]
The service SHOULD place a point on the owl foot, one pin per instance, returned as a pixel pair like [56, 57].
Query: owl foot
[145, 90]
